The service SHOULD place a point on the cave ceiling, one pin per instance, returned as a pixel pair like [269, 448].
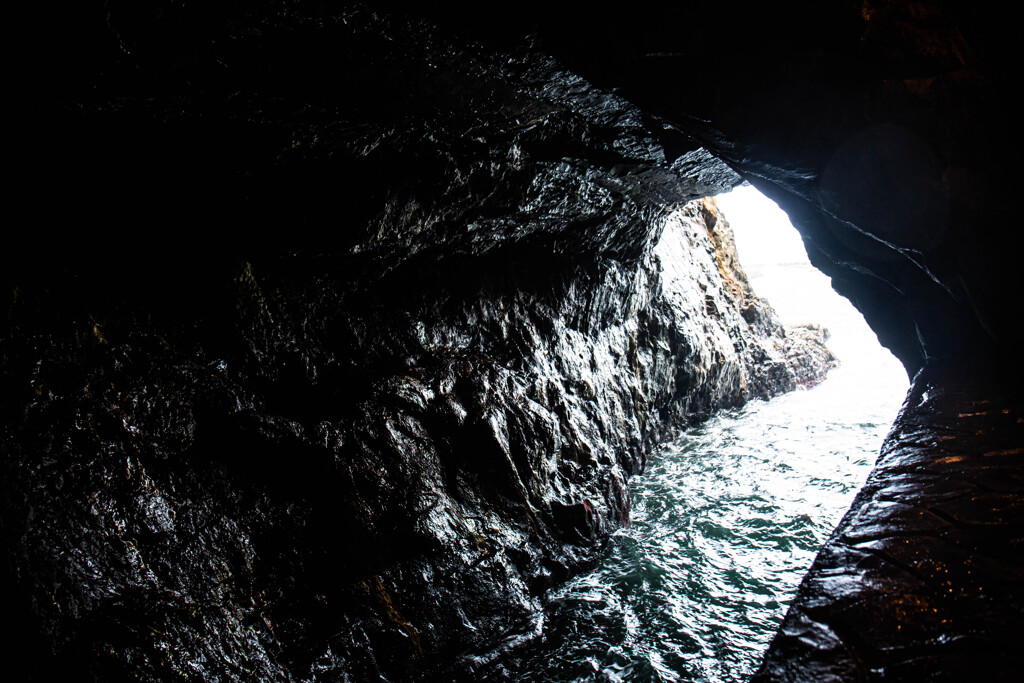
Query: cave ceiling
[880, 127]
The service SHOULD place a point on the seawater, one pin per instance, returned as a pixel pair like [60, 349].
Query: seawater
[728, 517]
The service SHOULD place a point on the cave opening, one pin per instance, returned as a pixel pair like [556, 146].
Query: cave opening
[773, 255]
[729, 515]
[372, 333]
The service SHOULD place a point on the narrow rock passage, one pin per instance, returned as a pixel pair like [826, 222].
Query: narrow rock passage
[923, 578]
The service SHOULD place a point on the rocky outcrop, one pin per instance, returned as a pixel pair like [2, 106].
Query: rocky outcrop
[412, 324]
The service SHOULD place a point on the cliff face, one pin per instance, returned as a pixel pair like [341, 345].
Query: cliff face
[365, 443]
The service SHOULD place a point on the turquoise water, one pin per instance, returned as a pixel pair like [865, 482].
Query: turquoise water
[728, 518]
[726, 521]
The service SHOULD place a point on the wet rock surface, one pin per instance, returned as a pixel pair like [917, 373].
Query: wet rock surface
[367, 488]
[364, 448]
[924, 577]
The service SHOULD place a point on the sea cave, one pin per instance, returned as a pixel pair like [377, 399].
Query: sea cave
[335, 334]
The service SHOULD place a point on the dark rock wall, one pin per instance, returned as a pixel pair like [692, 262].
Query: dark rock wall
[403, 328]
[308, 481]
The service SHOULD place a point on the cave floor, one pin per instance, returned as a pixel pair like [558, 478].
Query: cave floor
[924, 577]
